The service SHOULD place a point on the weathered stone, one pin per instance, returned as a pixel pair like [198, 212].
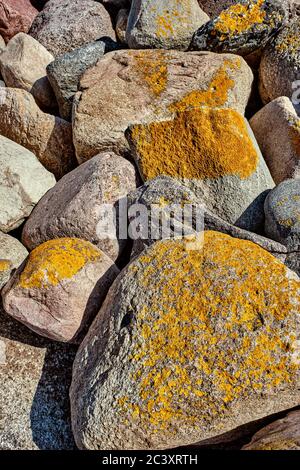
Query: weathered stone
[23, 181]
[23, 65]
[73, 207]
[59, 289]
[283, 434]
[188, 344]
[65, 72]
[35, 374]
[64, 25]
[2, 44]
[277, 131]
[242, 28]
[153, 24]
[165, 194]
[151, 85]
[280, 66]
[16, 16]
[12, 254]
[214, 7]
[47, 136]
[282, 210]
[121, 25]
[216, 156]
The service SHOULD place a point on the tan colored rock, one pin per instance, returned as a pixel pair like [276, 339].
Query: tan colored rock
[47, 136]
[12, 254]
[283, 434]
[277, 131]
[23, 65]
[189, 344]
[128, 87]
[35, 375]
[2, 44]
[79, 196]
[59, 289]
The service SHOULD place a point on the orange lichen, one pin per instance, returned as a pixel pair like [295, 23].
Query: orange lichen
[294, 133]
[240, 18]
[202, 143]
[218, 325]
[152, 66]
[216, 93]
[4, 265]
[55, 260]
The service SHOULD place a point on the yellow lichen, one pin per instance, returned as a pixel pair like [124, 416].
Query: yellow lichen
[153, 68]
[55, 260]
[5, 265]
[219, 325]
[212, 143]
[240, 18]
[216, 93]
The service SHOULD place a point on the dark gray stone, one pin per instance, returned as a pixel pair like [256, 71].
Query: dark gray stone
[221, 35]
[65, 72]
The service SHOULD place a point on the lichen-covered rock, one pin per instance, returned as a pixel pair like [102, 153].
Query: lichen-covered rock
[47, 136]
[277, 130]
[16, 16]
[59, 289]
[283, 434]
[23, 65]
[282, 210]
[23, 181]
[73, 207]
[64, 25]
[188, 344]
[163, 25]
[162, 196]
[12, 254]
[280, 66]
[216, 155]
[35, 375]
[242, 28]
[64, 73]
[151, 84]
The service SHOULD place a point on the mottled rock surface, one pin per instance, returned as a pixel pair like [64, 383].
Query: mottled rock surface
[188, 344]
[48, 137]
[163, 25]
[23, 181]
[151, 85]
[64, 25]
[23, 65]
[217, 157]
[16, 16]
[35, 374]
[59, 289]
[277, 130]
[74, 207]
[12, 254]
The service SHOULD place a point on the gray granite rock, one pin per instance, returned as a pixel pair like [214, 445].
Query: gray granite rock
[65, 72]
[242, 28]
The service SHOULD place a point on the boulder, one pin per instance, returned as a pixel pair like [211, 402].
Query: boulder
[214, 7]
[280, 66]
[283, 434]
[23, 65]
[121, 25]
[216, 156]
[65, 72]
[48, 137]
[243, 28]
[277, 130]
[188, 344]
[12, 254]
[282, 210]
[35, 376]
[62, 25]
[23, 181]
[128, 87]
[16, 16]
[73, 207]
[59, 289]
[153, 24]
